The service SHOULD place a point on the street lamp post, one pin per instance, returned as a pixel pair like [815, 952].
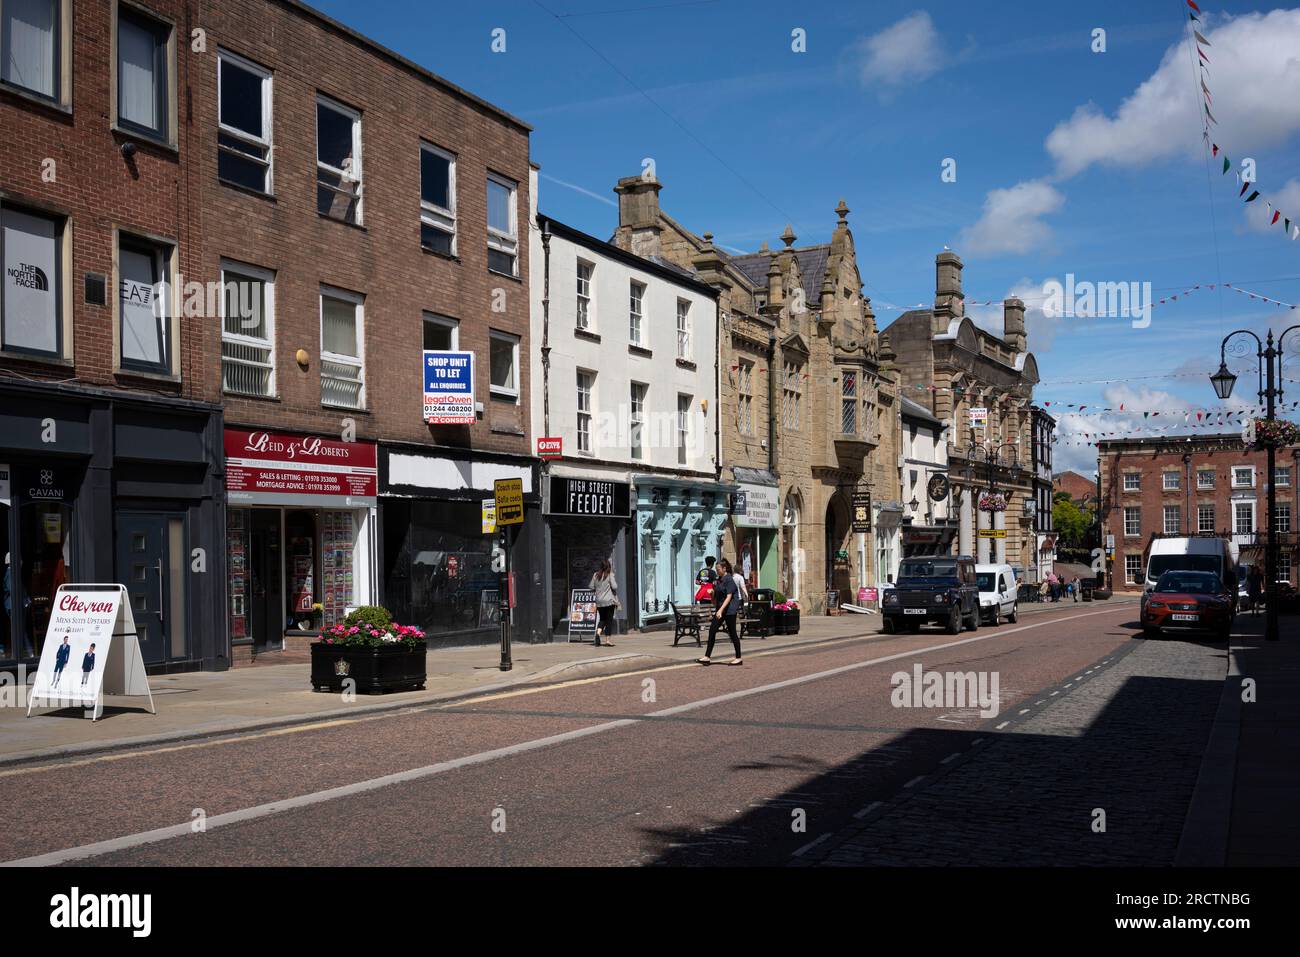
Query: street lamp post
[989, 455]
[1269, 368]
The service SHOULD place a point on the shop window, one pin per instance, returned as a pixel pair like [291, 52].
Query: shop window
[44, 553]
[31, 308]
[144, 305]
[439, 567]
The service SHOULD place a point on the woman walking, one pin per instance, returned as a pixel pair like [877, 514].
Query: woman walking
[606, 589]
[726, 596]
[1255, 588]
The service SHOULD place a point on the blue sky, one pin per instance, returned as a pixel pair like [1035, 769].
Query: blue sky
[1067, 160]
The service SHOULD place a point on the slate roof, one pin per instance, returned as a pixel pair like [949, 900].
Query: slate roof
[812, 266]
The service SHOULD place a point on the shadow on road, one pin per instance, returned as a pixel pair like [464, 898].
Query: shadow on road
[1015, 798]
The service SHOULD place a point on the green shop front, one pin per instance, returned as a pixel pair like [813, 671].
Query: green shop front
[678, 523]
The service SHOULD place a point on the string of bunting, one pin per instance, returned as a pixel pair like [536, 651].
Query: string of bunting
[1203, 62]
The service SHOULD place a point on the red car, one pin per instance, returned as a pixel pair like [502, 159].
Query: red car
[1187, 599]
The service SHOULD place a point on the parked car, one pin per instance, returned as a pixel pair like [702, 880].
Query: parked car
[1201, 553]
[998, 592]
[940, 589]
[1188, 599]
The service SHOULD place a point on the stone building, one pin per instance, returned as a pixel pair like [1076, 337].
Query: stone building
[981, 385]
[809, 406]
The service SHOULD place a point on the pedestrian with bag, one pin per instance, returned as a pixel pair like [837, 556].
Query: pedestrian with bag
[605, 586]
[727, 597]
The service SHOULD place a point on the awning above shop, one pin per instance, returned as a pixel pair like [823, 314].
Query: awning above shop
[748, 476]
[928, 539]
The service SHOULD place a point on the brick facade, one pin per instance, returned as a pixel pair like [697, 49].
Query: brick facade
[382, 259]
[1201, 495]
[1081, 489]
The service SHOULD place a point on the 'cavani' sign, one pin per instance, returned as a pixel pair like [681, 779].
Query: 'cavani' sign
[591, 497]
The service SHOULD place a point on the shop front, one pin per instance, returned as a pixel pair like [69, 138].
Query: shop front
[443, 556]
[755, 522]
[678, 523]
[98, 487]
[588, 520]
[300, 527]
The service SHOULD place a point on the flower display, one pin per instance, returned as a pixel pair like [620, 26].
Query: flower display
[996, 502]
[1277, 433]
[786, 606]
[370, 636]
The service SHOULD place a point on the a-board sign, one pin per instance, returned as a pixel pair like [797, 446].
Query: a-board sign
[582, 614]
[91, 649]
[510, 501]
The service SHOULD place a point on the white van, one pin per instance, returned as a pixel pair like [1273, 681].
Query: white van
[998, 591]
[1197, 553]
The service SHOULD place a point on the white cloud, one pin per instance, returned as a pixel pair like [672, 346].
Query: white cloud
[907, 51]
[1039, 327]
[1077, 434]
[1286, 199]
[1253, 75]
[1011, 221]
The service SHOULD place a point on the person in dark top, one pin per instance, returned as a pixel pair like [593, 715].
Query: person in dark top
[706, 575]
[726, 596]
[88, 664]
[61, 659]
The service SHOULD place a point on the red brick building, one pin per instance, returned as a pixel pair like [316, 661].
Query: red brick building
[1184, 486]
[1081, 489]
[313, 211]
[110, 435]
[371, 210]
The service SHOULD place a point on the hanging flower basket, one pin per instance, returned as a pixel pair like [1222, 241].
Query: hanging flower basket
[1276, 433]
[993, 503]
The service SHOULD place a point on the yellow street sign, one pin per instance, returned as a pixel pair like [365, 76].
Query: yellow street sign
[993, 533]
[510, 501]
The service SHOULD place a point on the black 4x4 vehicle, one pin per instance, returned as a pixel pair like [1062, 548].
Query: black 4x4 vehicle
[940, 589]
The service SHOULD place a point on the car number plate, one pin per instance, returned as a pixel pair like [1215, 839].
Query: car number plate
[913, 611]
[1186, 617]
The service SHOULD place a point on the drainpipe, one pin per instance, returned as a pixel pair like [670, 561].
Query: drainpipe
[1187, 479]
[546, 328]
[771, 403]
[717, 395]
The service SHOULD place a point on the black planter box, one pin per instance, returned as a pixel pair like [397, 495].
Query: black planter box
[375, 670]
[785, 622]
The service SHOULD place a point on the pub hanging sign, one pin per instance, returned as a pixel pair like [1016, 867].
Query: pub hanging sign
[592, 498]
[861, 511]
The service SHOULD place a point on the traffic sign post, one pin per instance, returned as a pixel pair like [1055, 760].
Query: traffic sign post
[509, 495]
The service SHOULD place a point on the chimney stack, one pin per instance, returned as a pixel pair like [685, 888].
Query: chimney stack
[949, 301]
[1013, 324]
[638, 214]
